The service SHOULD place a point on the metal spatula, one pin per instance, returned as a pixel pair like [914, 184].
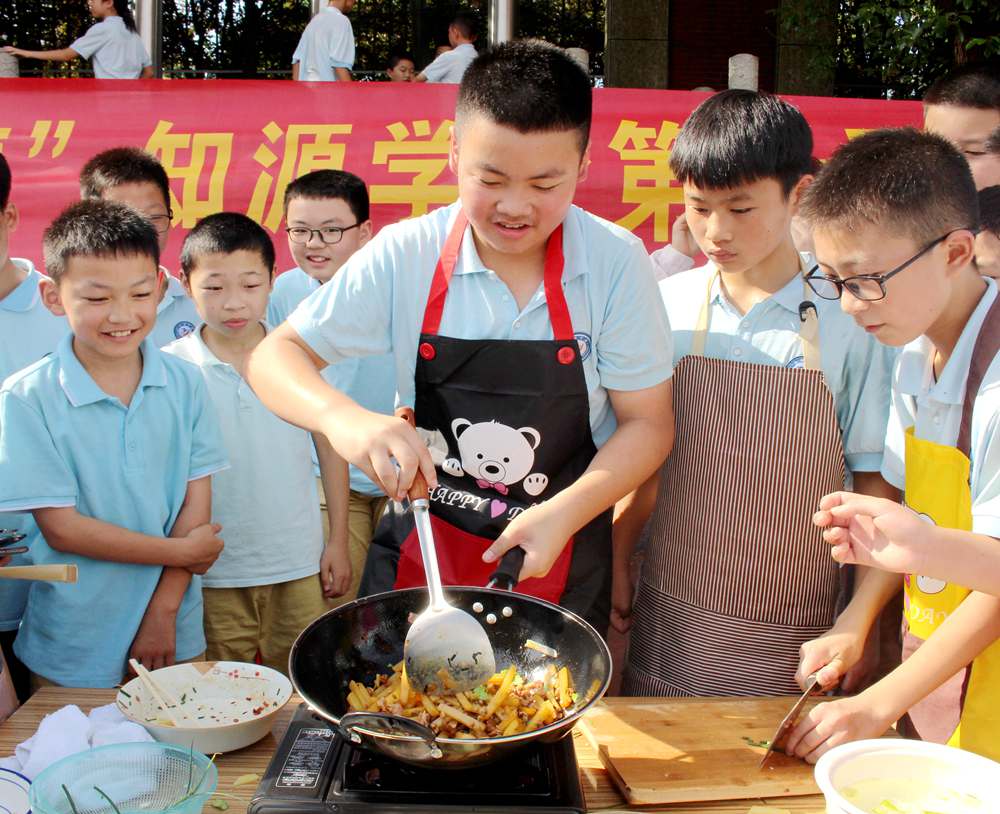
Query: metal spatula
[445, 646]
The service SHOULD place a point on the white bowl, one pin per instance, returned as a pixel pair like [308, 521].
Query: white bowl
[918, 762]
[223, 706]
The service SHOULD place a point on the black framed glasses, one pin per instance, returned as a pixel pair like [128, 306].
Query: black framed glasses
[867, 287]
[161, 223]
[328, 234]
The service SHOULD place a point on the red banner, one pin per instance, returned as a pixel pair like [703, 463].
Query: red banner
[235, 145]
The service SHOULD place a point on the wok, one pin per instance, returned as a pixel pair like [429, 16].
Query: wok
[358, 640]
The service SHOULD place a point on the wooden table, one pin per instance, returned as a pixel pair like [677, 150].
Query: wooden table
[600, 793]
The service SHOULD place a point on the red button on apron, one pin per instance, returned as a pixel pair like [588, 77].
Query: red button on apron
[427, 350]
[566, 356]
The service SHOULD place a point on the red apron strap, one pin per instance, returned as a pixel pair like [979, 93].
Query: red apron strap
[442, 275]
[983, 352]
[562, 325]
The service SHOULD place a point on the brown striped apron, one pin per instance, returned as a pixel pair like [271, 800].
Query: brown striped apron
[736, 577]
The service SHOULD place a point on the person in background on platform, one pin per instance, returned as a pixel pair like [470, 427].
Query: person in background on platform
[401, 67]
[450, 66]
[964, 107]
[28, 331]
[270, 579]
[325, 52]
[112, 42]
[134, 177]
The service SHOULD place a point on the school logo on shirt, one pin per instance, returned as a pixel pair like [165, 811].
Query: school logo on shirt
[796, 363]
[585, 344]
[182, 329]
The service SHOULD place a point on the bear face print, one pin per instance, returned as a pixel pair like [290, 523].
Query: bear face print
[497, 456]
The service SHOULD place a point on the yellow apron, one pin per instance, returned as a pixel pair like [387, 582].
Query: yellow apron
[965, 710]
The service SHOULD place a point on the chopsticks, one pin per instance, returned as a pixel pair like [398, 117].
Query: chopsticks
[161, 695]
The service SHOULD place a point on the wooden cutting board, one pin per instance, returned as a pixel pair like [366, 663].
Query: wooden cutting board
[668, 750]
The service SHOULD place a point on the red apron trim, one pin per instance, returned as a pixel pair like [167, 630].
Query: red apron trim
[442, 275]
[562, 324]
[461, 563]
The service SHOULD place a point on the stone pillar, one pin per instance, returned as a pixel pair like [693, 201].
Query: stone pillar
[636, 44]
[743, 71]
[149, 19]
[8, 65]
[502, 25]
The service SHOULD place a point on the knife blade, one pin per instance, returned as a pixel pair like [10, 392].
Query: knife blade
[789, 721]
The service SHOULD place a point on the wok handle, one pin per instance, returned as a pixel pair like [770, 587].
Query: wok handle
[508, 572]
[356, 726]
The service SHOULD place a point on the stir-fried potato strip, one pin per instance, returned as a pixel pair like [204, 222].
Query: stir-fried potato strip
[507, 704]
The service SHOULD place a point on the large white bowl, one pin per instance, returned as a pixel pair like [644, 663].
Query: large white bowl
[894, 758]
[232, 703]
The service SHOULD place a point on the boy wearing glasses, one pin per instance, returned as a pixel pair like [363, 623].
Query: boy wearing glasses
[134, 177]
[327, 221]
[894, 215]
[779, 396]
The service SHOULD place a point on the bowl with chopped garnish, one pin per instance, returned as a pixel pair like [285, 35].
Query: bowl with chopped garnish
[216, 706]
[899, 776]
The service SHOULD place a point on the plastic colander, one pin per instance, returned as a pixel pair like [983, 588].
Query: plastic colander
[137, 777]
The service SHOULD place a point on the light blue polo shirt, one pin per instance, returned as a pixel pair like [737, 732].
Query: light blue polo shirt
[266, 502]
[65, 442]
[370, 381]
[375, 305]
[857, 368]
[28, 331]
[934, 410]
[176, 315]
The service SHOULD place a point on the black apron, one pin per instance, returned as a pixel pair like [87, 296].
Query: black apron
[515, 417]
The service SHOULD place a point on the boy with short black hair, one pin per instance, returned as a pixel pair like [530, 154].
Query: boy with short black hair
[327, 221]
[133, 176]
[28, 331]
[781, 392]
[401, 67]
[269, 582]
[964, 108]
[449, 67]
[110, 444]
[894, 213]
[526, 334]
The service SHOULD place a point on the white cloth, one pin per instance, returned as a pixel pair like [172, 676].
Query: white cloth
[68, 731]
[450, 66]
[326, 43]
[117, 52]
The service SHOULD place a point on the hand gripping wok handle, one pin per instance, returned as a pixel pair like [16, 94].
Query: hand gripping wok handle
[508, 571]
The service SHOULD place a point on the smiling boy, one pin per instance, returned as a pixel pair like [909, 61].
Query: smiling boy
[894, 214]
[327, 221]
[781, 391]
[110, 444]
[518, 323]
